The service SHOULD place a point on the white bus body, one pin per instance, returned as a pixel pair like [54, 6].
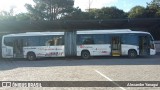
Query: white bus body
[20, 45]
[81, 43]
[103, 42]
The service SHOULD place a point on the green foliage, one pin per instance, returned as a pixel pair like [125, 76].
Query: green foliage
[151, 11]
[49, 9]
[76, 14]
[63, 9]
[36, 12]
[104, 13]
[137, 12]
[22, 17]
[153, 8]
[157, 14]
[6, 16]
[110, 13]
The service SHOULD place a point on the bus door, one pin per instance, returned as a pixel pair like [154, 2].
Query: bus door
[18, 48]
[144, 44]
[116, 46]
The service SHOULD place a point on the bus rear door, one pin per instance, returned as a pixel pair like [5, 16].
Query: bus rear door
[18, 47]
[116, 46]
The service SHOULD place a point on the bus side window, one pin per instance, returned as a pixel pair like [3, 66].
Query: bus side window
[56, 41]
[99, 39]
[8, 41]
[78, 40]
[85, 39]
[88, 41]
[130, 39]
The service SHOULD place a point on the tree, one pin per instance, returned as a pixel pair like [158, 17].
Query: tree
[137, 12]
[112, 13]
[7, 16]
[107, 13]
[76, 14]
[22, 17]
[104, 13]
[154, 4]
[50, 9]
[153, 8]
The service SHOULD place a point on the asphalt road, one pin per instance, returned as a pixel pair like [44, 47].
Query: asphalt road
[76, 69]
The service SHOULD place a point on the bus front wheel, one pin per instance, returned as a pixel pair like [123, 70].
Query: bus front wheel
[85, 54]
[31, 56]
[132, 53]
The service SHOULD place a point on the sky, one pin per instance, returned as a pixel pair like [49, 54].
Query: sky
[125, 5]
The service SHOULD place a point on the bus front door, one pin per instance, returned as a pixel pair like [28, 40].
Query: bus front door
[18, 48]
[144, 45]
[116, 46]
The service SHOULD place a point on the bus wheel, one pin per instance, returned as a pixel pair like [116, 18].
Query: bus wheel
[132, 53]
[85, 54]
[31, 56]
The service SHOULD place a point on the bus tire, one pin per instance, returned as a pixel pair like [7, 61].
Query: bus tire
[132, 53]
[31, 56]
[85, 54]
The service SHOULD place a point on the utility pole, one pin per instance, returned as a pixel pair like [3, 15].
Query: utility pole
[11, 12]
[90, 3]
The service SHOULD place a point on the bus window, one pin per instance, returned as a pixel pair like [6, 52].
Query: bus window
[25, 41]
[107, 39]
[88, 40]
[52, 40]
[130, 39]
[44, 40]
[85, 39]
[8, 41]
[56, 40]
[99, 39]
[33, 41]
[79, 40]
[61, 40]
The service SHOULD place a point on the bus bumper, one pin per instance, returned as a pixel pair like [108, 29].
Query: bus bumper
[152, 52]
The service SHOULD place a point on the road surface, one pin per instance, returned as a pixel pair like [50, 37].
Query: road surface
[76, 69]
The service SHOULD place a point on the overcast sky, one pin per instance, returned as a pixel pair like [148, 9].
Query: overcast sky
[125, 5]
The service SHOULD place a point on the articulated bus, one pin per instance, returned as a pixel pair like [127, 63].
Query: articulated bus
[81, 43]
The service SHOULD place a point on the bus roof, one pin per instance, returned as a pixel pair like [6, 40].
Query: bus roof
[35, 34]
[114, 31]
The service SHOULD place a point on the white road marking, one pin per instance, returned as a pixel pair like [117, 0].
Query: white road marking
[109, 79]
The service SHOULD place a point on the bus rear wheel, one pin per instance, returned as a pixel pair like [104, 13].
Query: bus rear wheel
[132, 54]
[31, 56]
[85, 54]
